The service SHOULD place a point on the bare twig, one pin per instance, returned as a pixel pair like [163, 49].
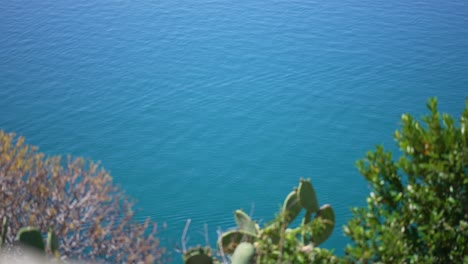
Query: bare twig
[207, 240]
[221, 250]
[184, 235]
[252, 209]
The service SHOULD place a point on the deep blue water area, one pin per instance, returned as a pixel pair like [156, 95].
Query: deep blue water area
[198, 108]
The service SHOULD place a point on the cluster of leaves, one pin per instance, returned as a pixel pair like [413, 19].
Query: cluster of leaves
[92, 216]
[281, 245]
[417, 211]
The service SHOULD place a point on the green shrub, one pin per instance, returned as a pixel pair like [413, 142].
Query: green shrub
[417, 211]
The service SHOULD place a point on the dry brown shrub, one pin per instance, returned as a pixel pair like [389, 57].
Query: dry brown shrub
[92, 217]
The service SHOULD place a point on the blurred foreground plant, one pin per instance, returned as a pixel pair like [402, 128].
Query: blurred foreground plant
[92, 217]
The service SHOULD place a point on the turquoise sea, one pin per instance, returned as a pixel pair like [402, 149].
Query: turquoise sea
[201, 107]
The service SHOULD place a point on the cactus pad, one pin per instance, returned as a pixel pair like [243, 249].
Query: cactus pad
[30, 236]
[291, 207]
[307, 196]
[245, 223]
[244, 254]
[325, 213]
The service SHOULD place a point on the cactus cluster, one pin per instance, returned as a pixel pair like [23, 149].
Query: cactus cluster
[303, 197]
[315, 228]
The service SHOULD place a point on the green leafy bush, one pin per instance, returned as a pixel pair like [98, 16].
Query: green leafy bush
[417, 211]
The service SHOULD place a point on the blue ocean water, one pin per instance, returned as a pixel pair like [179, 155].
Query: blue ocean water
[202, 107]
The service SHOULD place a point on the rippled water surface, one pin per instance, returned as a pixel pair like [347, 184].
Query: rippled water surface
[201, 107]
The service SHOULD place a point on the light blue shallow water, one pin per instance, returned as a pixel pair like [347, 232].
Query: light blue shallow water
[201, 107]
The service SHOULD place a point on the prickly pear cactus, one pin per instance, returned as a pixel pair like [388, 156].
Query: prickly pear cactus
[244, 254]
[30, 236]
[313, 231]
[291, 207]
[245, 223]
[307, 196]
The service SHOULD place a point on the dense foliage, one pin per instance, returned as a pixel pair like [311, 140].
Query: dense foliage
[281, 245]
[279, 241]
[417, 211]
[92, 217]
